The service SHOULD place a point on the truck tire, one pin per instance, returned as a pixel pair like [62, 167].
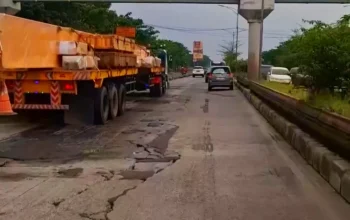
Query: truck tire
[113, 101]
[101, 105]
[157, 89]
[122, 101]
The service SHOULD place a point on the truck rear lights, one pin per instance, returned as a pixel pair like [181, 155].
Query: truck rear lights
[67, 86]
[156, 80]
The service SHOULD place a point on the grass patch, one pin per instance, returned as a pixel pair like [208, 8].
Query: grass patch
[327, 102]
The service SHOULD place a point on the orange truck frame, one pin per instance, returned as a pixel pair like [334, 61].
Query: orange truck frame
[32, 69]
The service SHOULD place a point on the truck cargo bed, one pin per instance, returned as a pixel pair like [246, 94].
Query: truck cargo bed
[31, 44]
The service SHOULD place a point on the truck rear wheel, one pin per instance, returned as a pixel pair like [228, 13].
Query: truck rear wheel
[122, 101]
[101, 105]
[157, 89]
[113, 101]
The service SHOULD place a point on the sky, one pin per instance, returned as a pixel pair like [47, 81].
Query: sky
[278, 25]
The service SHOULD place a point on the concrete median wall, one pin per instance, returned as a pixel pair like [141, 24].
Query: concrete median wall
[176, 75]
[334, 169]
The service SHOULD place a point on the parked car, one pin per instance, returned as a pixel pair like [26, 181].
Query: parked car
[264, 71]
[198, 71]
[279, 74]
[220, 76]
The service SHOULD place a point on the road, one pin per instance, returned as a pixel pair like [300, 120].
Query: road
[233, 166]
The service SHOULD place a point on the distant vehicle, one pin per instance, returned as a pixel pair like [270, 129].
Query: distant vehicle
[221, 63]
[198, 71]
[264, 70]
[220, 76]
[184, 70]
[279, 74]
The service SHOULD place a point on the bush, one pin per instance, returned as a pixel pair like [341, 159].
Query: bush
[322, 54]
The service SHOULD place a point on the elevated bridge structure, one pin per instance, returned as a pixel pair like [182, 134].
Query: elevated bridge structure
[254, 11]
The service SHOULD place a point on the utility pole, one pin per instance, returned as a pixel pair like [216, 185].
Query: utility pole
[237, 16]
[261, 36]
[234, 41]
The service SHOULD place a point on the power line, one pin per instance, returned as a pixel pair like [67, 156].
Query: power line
[266, 34]
[188, 29]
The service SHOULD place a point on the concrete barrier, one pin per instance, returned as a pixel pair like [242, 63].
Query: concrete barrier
[176, 75]
[334, 169]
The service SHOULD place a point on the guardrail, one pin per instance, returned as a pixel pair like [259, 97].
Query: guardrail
[331, 129]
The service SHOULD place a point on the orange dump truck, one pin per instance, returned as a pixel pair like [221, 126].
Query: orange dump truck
[87, 75]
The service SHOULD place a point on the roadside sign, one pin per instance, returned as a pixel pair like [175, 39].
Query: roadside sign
[197, 51]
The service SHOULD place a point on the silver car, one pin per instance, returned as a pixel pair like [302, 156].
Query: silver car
[220, 76]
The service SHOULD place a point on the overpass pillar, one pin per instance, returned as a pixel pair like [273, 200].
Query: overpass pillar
[9, 7]
[255, 11]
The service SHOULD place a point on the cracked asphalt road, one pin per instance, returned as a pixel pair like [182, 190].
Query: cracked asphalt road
[233, 166]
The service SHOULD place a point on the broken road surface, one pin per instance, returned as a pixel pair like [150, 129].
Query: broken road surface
[189, 155]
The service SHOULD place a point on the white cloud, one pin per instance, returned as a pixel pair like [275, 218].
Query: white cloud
[277, 27]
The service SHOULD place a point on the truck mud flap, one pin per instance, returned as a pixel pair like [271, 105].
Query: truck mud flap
[81, 111]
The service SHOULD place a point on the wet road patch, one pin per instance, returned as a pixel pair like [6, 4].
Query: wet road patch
[205, 107]
[205, 143]
[70, 173]
[13, 176]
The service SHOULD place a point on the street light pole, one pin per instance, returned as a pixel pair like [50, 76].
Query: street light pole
[237, 16]
[236, 43]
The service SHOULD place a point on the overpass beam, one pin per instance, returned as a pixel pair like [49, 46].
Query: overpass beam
[9, 7]
[255, 11]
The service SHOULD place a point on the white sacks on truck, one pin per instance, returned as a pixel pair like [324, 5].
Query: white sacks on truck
[79, 62]
[72, 48]
[144, 59]
[150, 62]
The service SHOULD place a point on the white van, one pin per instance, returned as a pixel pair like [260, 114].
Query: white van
[279, 74]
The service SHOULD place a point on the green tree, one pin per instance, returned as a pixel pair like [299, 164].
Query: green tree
[231, 56]
[90, 17]
[180, 55]
[321, 52]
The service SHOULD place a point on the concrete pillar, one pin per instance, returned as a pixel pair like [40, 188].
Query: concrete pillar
[9, 7]
[253, 50]
[251, 11]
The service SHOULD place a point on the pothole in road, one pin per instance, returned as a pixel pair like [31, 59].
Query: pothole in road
[134, 174]
[152, 158]
[132, 131]
[13, 176]
[70, 173]
[154, 124]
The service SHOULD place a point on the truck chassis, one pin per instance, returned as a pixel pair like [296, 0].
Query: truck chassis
[86, 97]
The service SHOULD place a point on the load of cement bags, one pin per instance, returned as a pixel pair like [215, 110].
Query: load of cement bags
[150, 62]
[144, 59]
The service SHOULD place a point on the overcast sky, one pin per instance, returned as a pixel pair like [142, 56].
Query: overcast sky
[277, 27]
